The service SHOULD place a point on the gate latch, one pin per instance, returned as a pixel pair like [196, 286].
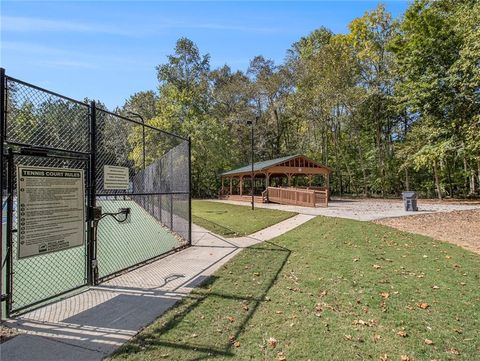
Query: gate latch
[95, 213]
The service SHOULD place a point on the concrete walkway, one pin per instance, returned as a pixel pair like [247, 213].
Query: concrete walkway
[92, 324]
[364, 209]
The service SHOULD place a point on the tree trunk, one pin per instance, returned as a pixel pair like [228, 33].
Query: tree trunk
[407, 180]
[478, 175]
[437, 181]
[472, 182]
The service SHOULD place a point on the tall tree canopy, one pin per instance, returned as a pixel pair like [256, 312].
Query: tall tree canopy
[393, 104]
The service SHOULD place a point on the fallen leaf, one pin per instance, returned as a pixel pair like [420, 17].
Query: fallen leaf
[405, 358]
[231, 338]
[376, 338]
[402, 333]
[272, 342]
[423, 306]
[435, 287]
[376, 266]
[237, 344]
[385, 295]
[355, 260]
[428, 342]
[384, 357]
[364, 323]
[281, 356]
[245, 307]
[278, 312]
[194, 335]
[231, 319]
[348, 337]
[453, 351]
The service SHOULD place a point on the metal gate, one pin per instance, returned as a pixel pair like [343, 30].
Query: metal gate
[125, 228]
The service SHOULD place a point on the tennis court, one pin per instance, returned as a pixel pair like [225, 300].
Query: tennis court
[57, 134]
[120, 246]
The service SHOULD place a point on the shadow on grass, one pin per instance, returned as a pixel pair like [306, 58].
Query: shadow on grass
[217, 228]
[232, 284]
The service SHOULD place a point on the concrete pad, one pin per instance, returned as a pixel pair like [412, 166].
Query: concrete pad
[125, 312]
[281, 228]
[32, 348]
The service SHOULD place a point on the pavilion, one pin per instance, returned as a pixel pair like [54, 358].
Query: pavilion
[288, 180]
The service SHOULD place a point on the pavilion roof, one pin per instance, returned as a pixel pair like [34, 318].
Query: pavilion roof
[263, 165]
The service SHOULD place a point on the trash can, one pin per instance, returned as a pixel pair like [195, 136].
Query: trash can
[410, 201]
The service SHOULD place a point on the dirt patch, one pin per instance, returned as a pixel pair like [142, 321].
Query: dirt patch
[6, 333]
[458, 227]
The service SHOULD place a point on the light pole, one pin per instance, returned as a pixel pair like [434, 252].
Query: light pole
[143, 133]
[249, 122]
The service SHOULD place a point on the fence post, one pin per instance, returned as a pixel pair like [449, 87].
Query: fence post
[9, 237]
[92, 234]
[190, 191]
[2, 125]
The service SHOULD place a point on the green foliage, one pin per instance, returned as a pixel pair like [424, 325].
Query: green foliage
[392, 104]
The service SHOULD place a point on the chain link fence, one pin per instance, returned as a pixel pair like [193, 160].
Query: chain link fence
[157, 195]
[37, 119]
[41, 128]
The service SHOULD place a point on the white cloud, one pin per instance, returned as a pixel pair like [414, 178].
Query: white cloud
[29, 24]
[32, 24]
[51, 56]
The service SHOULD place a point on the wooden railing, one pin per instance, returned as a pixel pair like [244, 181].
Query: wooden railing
[315, 188]
[299, 197]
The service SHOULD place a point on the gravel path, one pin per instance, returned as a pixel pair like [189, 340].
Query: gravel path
[368, 209]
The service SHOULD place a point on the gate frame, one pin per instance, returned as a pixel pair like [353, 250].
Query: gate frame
[90, 159]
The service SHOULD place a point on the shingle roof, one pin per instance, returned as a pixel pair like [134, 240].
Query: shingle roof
[260, 165]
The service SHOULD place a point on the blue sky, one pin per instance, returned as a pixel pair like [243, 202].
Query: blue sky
[108, 50]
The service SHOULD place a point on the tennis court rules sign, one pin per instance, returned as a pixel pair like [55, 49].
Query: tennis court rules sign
[51, 209]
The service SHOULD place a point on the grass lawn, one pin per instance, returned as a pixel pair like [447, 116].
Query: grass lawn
[331, 289]
[232, 221]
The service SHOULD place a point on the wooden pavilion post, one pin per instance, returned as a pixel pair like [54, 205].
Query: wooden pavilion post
[231, 185]
[310, 179]
[289, 177]
[241, 185]
[327, 185]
